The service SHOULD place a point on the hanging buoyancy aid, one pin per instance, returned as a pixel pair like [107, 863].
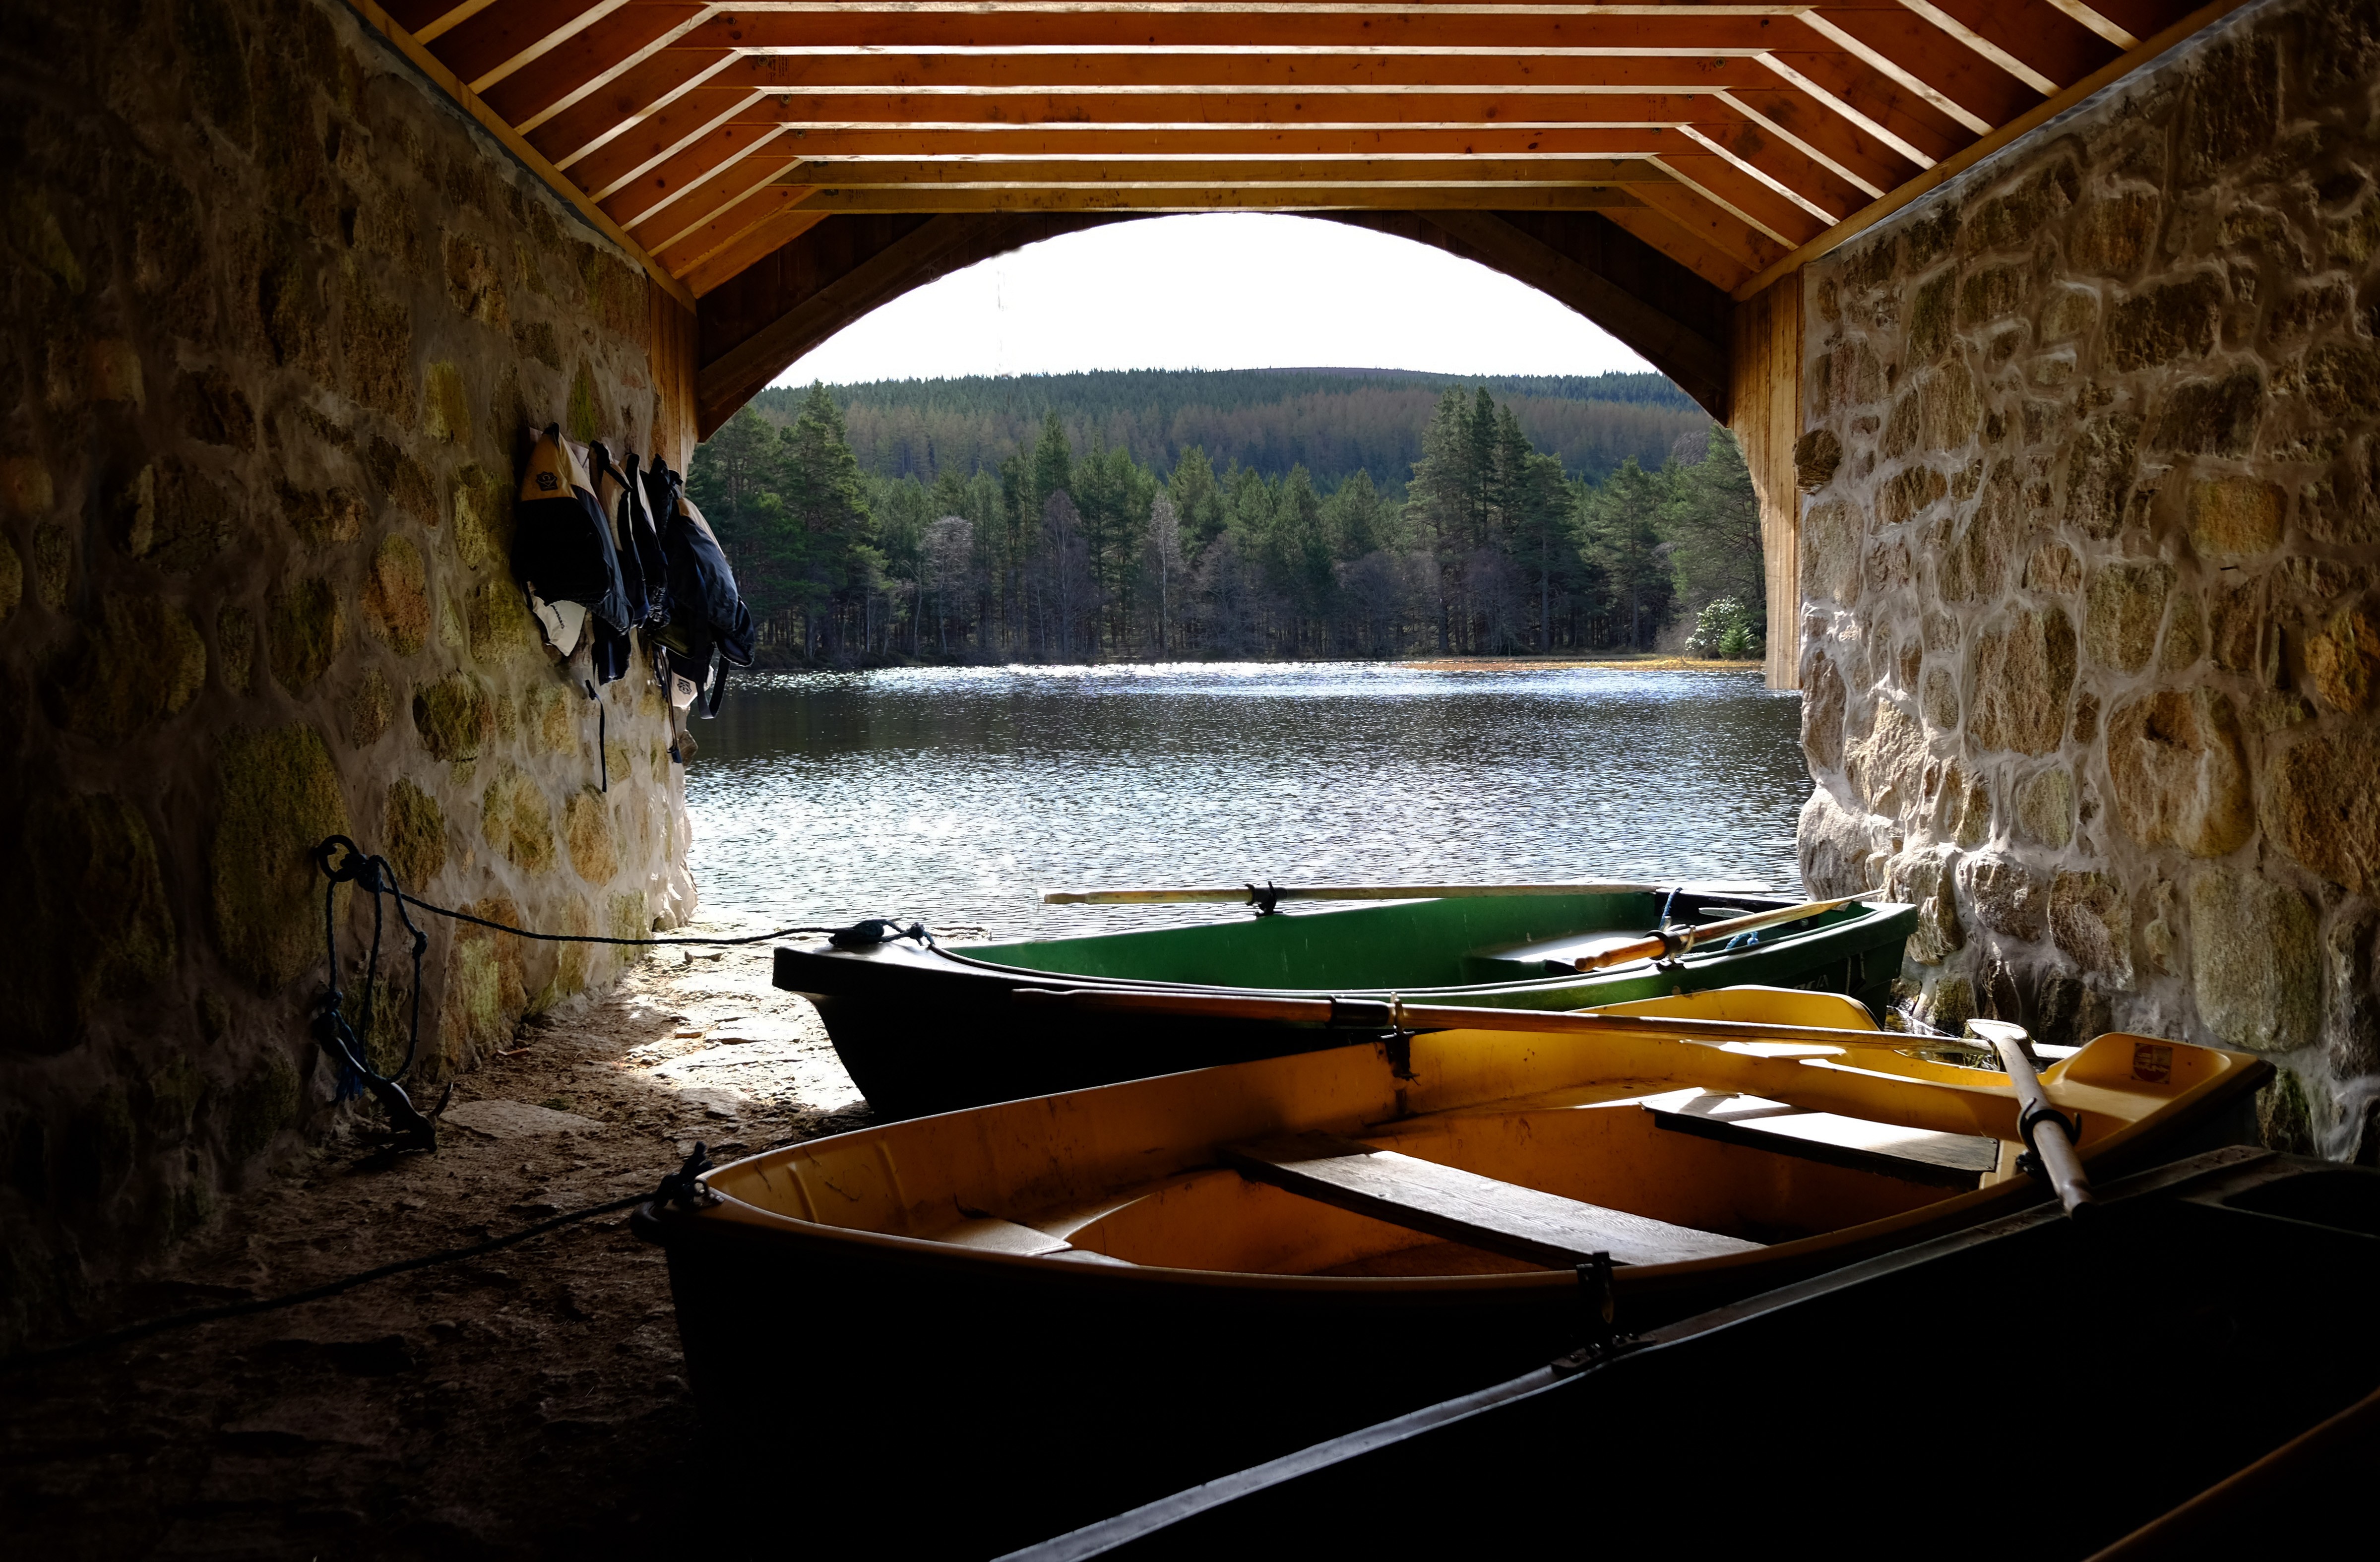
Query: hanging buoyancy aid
[564, 557]
[643, 567]
[709, 629]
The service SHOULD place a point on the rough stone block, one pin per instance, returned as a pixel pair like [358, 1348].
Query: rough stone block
[2102, 459]
[2125, 607]
[2092, 922]
[2178, 772]
[2322, 805]
[2234, 518]
[2343, 658]
[2045, 809]
[280, 795]
[2255, 965]
[2005, 896]
[2020, 677]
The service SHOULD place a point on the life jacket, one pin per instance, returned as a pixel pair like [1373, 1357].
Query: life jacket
[564, 557]
[709, 629]
[642, 568]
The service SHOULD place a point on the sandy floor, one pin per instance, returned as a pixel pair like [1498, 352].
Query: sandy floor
[529, 1403]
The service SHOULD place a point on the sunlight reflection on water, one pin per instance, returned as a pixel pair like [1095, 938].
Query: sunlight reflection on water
[959, 794]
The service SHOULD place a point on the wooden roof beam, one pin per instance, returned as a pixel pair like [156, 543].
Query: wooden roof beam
[1905, 48]
[1167, 173]
[2032, 40]
[1038, 141]
[503, 39]
[1672, 29]
[1203, 71]
[583, 65]
[1195, 109]
[616, 109]
[1950, 168]
[1295, 196]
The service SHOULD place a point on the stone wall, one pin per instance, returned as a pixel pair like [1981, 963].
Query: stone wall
[2089, 555]
[277, 318]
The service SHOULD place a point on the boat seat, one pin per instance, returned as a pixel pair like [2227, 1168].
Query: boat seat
[1909, 1155]
[1457, 1205]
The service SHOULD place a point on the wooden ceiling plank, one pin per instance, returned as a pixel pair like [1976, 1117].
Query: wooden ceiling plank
[646, 199]
[2096, 18]
[1689, 248]
[582, 65]
[1697, 214]
[512, 141]
[1882, 108]
[597, 121]
[494, 43]
[763, 239]
[1950, 168]
[1754, 204]
[1268, 174]
[1236, 72]
[1827, 138]
[1782, 166]
[1905, 47]
[732, 222]
[1197, 109]
[1302, 197]
[886, 142]
[670, 133]
[446, 18]
[704, 202]
[1682, 30]
[2032, 40]
[2143, 18]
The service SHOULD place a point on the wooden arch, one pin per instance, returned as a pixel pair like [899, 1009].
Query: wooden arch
[768, 315]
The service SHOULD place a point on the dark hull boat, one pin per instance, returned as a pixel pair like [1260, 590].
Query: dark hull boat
[1064, 1305]
[930, 1030]
[2037, 1387]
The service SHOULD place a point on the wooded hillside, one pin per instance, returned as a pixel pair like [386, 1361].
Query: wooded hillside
[1072, 552]
[1334, 422]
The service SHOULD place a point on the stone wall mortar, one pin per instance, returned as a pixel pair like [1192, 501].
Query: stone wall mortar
[279, 319]
[2090, 544]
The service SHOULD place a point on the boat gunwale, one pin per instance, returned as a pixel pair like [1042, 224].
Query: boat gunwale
[1867, 913]
[727, 1216]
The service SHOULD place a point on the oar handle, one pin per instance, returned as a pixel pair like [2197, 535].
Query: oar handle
[2048, 1132]
[1671, 942]
[1242, 894]
[1396, 1015]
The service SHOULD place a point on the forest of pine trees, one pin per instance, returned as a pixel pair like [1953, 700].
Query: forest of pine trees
[1068, 555]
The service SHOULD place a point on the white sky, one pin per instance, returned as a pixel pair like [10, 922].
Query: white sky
[1239, 290]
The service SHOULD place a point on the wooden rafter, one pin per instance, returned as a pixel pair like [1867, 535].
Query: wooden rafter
[1729, 142]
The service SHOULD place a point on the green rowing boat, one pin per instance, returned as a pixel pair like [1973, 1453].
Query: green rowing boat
[934, 1028]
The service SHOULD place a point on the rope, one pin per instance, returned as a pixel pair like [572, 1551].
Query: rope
[859, 935]
[678, 1187]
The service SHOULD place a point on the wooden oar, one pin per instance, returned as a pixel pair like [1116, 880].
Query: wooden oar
[1248, 894]
[1372, 1014]
[2046, 1131]
[1671, 942]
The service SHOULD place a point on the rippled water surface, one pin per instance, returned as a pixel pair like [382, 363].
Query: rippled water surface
[958, 795]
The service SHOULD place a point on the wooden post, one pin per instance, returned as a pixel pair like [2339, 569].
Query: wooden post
[1766, 408]
[673, 366]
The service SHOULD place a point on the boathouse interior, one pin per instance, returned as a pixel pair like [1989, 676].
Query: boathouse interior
[2047, 327]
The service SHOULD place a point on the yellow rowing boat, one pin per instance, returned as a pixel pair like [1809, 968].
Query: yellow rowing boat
[1085, 1300]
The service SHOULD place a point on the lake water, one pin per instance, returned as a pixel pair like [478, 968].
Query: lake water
[959, 794]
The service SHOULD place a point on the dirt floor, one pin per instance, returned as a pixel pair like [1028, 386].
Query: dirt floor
[529, 1403]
